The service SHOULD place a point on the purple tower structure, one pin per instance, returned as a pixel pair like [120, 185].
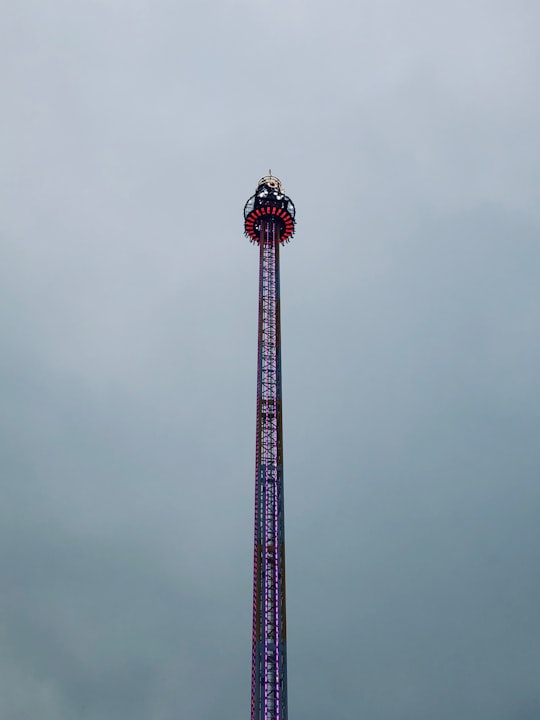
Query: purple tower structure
[269, 222]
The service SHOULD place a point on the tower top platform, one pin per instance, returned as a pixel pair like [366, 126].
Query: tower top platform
[271, 181]
[269, 204]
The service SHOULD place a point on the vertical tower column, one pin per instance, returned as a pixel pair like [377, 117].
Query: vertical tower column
[269, 672]
[269, 221]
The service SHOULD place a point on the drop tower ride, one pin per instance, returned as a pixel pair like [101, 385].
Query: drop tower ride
[269, 223]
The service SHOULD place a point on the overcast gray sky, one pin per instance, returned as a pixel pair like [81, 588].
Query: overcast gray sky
[132, 133]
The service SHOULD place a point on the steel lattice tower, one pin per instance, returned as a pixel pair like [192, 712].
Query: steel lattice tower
[269, 222]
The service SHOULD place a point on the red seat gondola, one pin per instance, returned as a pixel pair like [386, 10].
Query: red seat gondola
[252, 223]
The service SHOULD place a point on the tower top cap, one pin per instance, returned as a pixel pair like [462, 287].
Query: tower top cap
[272, 181]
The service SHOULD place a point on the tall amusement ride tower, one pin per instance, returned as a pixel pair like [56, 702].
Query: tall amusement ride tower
[269, 222]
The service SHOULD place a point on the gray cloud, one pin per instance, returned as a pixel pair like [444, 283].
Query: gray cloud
[407, 136]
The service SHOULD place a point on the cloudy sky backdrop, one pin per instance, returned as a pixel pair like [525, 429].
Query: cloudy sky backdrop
[406, 132]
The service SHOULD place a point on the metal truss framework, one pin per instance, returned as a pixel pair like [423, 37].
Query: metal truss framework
[269, 654]
[269, 221]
